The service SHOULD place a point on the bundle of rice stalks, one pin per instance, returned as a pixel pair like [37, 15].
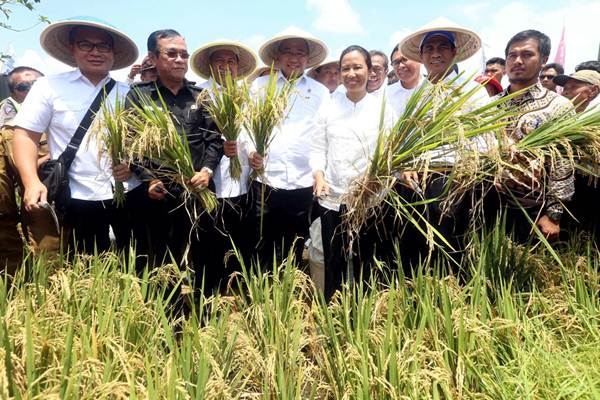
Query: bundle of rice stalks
[225, 103]
[112, 137]
[265, 110]
[158, 140]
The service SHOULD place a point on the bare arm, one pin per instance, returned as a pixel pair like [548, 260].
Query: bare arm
[25, 150]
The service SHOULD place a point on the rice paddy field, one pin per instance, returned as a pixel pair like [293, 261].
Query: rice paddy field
[513, 323]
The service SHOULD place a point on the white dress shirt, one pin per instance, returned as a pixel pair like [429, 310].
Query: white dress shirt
[225, 186]
[344, 142]
[287, 160]
[398, 96]
[56, 105]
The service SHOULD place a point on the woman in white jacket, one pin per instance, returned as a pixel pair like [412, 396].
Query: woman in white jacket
[348, 128]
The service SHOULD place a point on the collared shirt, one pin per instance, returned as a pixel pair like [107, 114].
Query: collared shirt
[344, 142]
[287, 160]
[8, 110]
[382, 91]
[190, 119]
[538, 105]
[398, 96]
[225, 185]
[56, 105]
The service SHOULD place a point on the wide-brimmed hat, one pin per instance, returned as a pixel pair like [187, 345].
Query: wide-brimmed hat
[55, 41]
[466, 41]
[200, 60]
[584, 75]
[317, 50]
[327, 61]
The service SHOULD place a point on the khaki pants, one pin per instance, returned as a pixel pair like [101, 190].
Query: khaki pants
[37, 226]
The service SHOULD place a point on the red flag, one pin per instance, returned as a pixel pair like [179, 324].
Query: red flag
[559, 58]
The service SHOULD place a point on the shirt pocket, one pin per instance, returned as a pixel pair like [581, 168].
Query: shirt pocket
[67, 115]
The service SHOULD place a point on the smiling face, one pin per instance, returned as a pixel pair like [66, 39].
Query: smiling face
[378, 73]
[406, 70]
[92, 50]
[293, 57]
[329, 76]
[437, 55]
[354, 73]
[524, 62]
[223, 61]
[171, 59]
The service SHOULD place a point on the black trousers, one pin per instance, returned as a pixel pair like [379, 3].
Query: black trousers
[90, 221]
[584, 208]
[339, 258]
[212, 253]
[281, 222]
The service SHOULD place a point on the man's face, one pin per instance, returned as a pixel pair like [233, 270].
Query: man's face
[437, 55]
[406, 70]
[580, 93]
[293, 57]
[222, 61]
[524, 62]
[546, 79]
[92, 50]
[377, 74]
[329, 76]
[171, 58]
[22, 82]
[495, 70]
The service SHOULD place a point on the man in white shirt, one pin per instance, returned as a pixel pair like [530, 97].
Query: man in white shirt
[377, 84]
[213, 62]
[409, 80]
[56, 105]
[287, 179]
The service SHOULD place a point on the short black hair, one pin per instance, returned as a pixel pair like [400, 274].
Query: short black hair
[77, 28]
[555, 66]
[366, 54]
[496, 60]
[544, 43]
[155, 36]
[592, 65]
[18, 70]
[386, 61]
[394, 50]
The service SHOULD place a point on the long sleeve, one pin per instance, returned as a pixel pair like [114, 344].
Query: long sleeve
[318, 148]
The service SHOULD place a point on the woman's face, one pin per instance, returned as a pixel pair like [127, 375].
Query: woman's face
[354, 72]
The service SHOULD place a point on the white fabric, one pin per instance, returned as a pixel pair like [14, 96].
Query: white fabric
[382, 91]
[225, 186]
[286, 162]
[316, 257]
[345, 141]
[398, 95]
[594, 103]
[56, 105]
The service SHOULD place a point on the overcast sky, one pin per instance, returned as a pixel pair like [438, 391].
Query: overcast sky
[340, 23]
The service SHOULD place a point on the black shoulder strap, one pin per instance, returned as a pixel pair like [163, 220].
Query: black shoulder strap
[69, 154]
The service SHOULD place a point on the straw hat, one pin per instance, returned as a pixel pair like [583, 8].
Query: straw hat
[200, 60]
[584, 75]
[55, 41]
[466, 41]
[317, 50]
[327, 61]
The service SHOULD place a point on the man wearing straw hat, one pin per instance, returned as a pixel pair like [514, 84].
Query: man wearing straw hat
[57, 105]
[213, 62]
[287, 179]
[438, 46]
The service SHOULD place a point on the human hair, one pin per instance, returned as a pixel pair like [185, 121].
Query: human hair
[544, 44]
[152, 42]
[75, 29]
[366, 54]
[381, 54]
[555, 66]
[394, 50]
[592, 65]
[18, 70]
[496, 60]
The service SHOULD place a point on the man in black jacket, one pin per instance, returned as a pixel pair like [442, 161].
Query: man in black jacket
[170, 227]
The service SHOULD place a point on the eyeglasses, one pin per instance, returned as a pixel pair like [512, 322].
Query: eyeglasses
[395, 63]
[173, 54]
[102, 47]
[293, 53]
[24, 86]
[549, 77]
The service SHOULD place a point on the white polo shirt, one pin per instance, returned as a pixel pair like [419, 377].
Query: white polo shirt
[56, 105]
[344, 143]
[287, 160]
[225, 186]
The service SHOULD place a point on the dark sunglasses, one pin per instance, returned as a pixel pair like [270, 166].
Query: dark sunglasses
[549, 77]
[24, 86]
[102, 47]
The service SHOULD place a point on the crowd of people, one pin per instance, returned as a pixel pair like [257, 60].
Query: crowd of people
[325, 141]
